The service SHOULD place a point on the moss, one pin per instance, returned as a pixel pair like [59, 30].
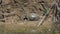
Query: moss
[44, 11]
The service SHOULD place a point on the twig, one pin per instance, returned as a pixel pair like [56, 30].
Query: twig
[44, 17]
[42, 20]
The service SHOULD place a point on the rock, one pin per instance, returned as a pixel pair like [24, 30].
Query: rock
[33, 17]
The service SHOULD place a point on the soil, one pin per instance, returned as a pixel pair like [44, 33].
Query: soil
[14, 11]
